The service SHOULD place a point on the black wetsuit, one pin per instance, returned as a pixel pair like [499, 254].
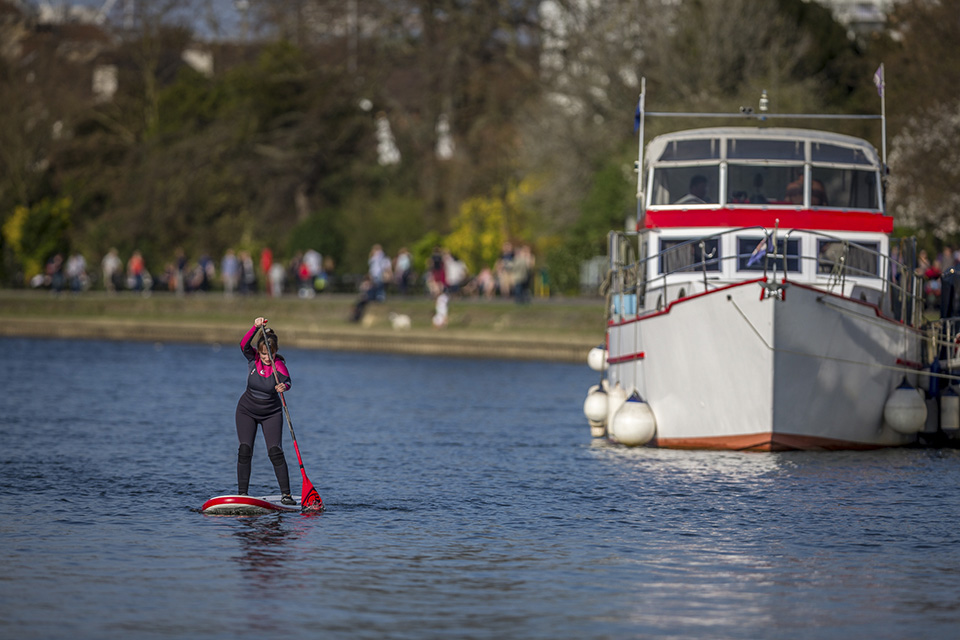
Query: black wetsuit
[260, 404]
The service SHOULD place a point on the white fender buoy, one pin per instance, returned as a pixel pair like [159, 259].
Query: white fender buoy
[595, 409]
[597, 359]
[634, 424]
[949, 410]
[616, 396]
[595, 406]
[905, 411]
[923, 378]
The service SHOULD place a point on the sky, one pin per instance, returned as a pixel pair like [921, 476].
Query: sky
[224, 11]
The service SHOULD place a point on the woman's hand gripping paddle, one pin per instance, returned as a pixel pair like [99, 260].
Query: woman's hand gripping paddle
[310, 500]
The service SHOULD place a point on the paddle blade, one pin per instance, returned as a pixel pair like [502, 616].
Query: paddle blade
[309, 498]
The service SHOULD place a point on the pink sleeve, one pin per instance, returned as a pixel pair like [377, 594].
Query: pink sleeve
[245, 341]
[282, 370]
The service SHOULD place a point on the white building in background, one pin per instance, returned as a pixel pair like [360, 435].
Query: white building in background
[861, 16]
[56, 13]
[200, 60]
[445, 145]
[387, 151]
[105, 82]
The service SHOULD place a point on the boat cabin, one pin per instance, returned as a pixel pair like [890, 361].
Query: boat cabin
[714, 195]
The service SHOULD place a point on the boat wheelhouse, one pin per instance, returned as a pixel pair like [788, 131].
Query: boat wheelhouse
[818, 192]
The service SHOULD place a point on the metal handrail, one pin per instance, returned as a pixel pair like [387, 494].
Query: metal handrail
[629, 277]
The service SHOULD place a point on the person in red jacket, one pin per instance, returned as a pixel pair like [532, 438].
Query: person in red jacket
[260, 404]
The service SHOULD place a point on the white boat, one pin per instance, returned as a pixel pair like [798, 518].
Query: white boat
[766, 307]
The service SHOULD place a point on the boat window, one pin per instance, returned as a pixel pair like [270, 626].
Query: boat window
[751, 251]
[685, 254]
[685, 185]
[822, 152]
[861, 259]
[759, 184]
[847, 188]
[793, 194]
[739, 149]
[699, 149]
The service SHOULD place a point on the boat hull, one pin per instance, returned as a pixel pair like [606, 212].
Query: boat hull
[758, 365]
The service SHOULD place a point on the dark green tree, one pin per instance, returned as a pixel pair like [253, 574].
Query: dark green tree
[922, 76]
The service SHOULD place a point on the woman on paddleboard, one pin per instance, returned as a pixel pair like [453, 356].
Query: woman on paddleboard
[260, 404]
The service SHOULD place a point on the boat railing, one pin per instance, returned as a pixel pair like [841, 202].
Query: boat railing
[696, 265]
[946, 328]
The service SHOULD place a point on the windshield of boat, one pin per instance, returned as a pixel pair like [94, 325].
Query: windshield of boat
[766, 185]
[762, 172]
[687, 185]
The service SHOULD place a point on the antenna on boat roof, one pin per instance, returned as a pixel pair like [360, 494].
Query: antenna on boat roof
[763, 106]
[880, 80]
[748, 112]
[762, 113]
[640, 118]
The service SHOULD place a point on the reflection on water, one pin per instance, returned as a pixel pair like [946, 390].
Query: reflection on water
[264, 547]
[705, 463]
[852, 531]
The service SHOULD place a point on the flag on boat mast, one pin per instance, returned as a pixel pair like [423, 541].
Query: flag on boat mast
[758, 253]
[878, 80]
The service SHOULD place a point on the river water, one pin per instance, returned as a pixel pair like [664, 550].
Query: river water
[465, 499]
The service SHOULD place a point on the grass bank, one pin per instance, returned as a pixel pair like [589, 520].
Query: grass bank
[554, 329]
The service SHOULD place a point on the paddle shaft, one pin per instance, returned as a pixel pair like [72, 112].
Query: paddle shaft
[283, 401]
[310, 500]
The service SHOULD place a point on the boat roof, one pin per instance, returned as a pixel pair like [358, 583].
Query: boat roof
[657, 146]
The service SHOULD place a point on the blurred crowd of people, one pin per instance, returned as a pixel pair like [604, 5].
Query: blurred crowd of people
[445, 276]
[305, 274]
[239, 274]
[931, 270]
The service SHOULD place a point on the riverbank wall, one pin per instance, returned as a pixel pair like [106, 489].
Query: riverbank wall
[556, 332]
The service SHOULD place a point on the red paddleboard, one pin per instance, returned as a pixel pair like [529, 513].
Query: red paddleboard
[235, 505]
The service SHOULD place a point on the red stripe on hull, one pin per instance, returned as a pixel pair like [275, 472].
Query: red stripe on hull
[830, 220]
[762, 442]
[630, 358]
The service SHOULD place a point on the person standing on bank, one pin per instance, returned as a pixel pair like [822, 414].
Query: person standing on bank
[260, 404]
